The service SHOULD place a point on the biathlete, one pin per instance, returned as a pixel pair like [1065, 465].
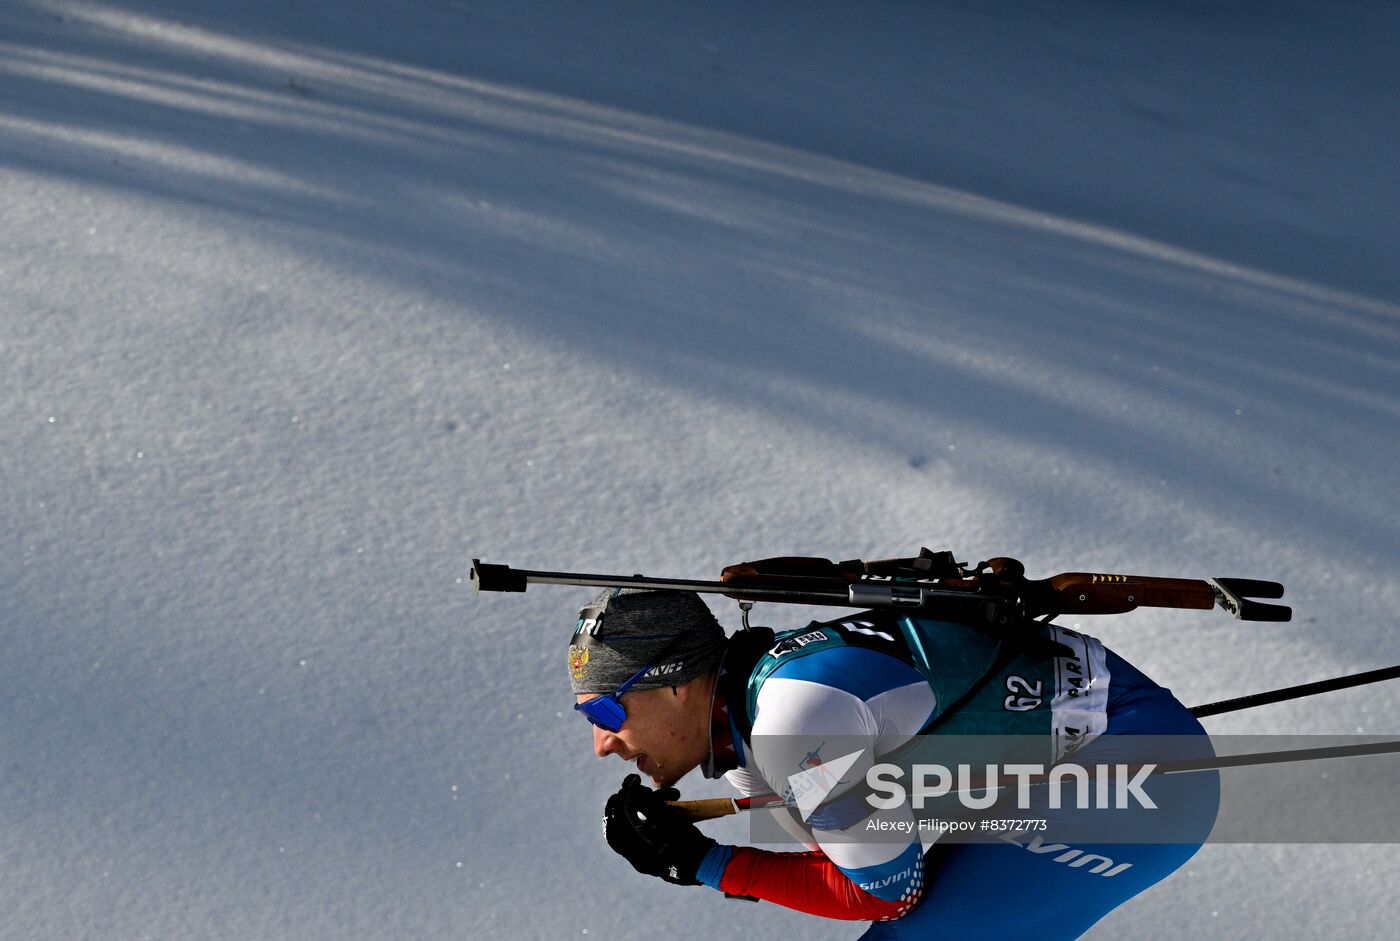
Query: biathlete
[663, 686]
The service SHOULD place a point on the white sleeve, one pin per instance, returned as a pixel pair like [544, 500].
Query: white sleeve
[803, 731]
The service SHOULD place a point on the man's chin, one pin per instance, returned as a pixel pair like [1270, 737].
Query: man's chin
[658, 777]
[662, 779]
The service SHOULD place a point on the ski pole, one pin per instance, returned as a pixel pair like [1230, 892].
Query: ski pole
[1295, 692]
[709, 809]
[715, 807]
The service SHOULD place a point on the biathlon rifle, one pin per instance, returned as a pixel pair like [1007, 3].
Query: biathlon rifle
[995, 591]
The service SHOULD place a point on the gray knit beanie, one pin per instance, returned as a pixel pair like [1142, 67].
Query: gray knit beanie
[624, 629]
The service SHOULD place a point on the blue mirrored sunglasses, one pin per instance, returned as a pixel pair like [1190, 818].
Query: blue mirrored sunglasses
[606, 711]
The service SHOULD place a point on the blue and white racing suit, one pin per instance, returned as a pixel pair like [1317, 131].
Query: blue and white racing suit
[864, 688]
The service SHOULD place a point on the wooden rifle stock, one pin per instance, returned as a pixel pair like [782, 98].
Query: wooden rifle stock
[1087, 593]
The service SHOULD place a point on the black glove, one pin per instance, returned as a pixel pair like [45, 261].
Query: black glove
[657, 840]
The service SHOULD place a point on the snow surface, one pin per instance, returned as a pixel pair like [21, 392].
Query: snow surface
[308, 303]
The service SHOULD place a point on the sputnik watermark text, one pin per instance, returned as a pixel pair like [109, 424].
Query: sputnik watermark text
[1104, 787]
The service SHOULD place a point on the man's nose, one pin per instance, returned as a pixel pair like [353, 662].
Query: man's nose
[604, 742]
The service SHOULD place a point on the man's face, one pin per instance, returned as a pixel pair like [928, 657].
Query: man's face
[666, 732]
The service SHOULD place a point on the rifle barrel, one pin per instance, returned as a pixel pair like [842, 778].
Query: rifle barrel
[820, 591]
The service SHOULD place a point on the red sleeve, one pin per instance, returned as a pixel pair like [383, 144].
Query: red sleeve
[807, 882]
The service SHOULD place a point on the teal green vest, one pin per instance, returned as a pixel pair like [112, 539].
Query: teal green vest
[982, 684]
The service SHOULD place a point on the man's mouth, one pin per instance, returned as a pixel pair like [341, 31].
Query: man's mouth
[643, 764]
